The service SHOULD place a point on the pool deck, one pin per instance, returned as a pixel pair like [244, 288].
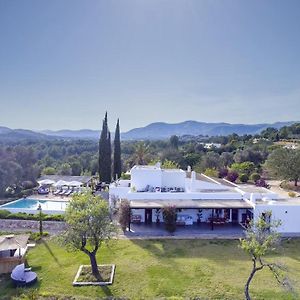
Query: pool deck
[50, 197]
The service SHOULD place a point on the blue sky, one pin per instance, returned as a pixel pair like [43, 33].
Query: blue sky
[63, 63]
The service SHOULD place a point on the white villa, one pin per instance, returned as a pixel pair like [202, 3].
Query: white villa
[200, 199]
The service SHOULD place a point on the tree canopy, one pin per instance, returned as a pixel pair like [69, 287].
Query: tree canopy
[89, 225]
[285, 164]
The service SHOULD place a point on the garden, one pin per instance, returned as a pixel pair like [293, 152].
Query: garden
[207, 269]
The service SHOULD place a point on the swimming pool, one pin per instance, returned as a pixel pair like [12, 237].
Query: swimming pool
[31, 206]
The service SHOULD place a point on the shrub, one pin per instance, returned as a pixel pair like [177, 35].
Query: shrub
[232, 176]
[36, 236]
[261, 183]
[169, 215]
[254, 177]
[28, 185]
[244, 178]
[125, 176]
[26, 193]
[54, 217]
[124, 214]
[245, 167]
[292, 194]
[211, 172]
[4, 214]
[223, 173]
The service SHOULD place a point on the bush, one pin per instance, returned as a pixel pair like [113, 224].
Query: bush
[26, 193]
[169, 215]
[292, 194]
[244, 178]
[211, 172]
[4, 214]
[254, 177]
[54, 217]
[124, 214]
[232, 176]
[125, 176]
[261, 183]
[223, 173]
[36, 236]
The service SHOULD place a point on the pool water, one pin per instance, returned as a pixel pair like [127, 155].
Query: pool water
[33, 204]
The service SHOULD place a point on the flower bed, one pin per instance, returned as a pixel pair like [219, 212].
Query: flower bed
[84, 275]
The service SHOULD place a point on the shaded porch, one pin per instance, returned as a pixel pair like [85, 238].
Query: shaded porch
[204, 230]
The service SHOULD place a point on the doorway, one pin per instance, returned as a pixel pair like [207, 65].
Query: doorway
[235, 215]
[148, 216]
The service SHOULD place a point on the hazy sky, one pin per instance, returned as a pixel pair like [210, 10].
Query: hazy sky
[63, 63]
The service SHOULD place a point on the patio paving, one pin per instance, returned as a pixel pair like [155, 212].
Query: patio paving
[202, 231]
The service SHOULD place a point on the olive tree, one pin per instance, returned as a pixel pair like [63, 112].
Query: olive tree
[88, 226]
[262, 238]
[285, 163]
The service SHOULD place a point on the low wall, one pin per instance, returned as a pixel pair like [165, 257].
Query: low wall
[30, 225]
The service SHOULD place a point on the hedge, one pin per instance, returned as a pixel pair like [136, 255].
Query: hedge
[5, 214]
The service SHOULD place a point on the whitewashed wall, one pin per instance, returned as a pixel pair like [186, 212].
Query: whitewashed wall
[288, 214]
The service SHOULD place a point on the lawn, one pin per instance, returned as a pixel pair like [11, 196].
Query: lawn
[145, 269]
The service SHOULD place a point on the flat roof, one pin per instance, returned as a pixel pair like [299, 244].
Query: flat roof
[251, 188]
[198, 204]
[287, 201]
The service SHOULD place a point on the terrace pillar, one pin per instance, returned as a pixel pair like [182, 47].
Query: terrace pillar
[212, 219]
[129, 219]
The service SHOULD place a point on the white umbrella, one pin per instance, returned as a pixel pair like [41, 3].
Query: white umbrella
[46, 182]
[61, 183]
[74, 183]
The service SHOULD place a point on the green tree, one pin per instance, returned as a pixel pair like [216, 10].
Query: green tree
[65, 169]
[262, 238]
[246, 167]
[117, 153]
[174, 140]
[49, 171]
[105, 153]
[285, 164]
[169, 164]
[89, 226]
[141, 154]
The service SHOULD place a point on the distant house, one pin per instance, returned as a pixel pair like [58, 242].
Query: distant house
[211, 145]
[199, 198]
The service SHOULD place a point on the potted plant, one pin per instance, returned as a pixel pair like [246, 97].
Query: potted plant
[157, 213]
[199, 216]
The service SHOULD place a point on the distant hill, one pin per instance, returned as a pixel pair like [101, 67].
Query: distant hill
[154, 131]
[82, 133]
[162, 130]
[7, 134]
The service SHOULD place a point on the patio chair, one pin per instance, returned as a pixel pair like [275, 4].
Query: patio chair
[22, 276]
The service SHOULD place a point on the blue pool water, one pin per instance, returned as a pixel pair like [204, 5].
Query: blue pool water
[32, 204]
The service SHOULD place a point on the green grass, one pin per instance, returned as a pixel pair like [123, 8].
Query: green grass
[207, 269]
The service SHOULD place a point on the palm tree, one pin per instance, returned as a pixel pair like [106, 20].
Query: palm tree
[141, 154]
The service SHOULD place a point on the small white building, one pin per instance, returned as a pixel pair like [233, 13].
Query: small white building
[199, 199]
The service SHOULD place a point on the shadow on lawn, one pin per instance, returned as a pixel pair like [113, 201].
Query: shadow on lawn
[213, 249]
[51, 252]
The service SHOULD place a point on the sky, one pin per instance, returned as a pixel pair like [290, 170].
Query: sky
[63, 63]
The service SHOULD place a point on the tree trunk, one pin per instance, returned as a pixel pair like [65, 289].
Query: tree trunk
[296, 182]
[94, 265]
[247, 295]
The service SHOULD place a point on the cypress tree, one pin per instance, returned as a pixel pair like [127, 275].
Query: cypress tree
[105, 153]
[117, 153]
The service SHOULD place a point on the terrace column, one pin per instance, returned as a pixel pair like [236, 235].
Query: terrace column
[212, 219]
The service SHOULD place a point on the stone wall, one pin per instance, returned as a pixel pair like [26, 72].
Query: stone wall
[30, 225]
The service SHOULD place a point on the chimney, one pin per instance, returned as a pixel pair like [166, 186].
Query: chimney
[189, 169]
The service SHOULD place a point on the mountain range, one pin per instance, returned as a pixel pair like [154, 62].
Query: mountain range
[153, 131]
